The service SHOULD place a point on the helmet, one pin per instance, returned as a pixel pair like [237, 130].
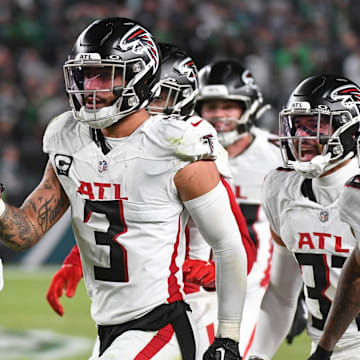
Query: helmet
[323, 109]
[229, 80]
[113, 48]
[178, 85]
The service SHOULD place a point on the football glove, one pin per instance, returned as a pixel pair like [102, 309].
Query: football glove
[223, 349]
[66, 278]
[200, 272]
[320, 354]
[300, 320]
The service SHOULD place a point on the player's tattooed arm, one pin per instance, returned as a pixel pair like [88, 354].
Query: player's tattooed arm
[346, 305]
[21, 228]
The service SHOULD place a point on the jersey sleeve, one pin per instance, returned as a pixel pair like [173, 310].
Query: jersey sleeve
[251, 251]
[199, 141]
[53, 139]
[349, 205]
[271, 187]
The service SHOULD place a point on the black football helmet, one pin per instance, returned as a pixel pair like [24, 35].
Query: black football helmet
[113, 48]
[230, 80]
[177, 89]
[323, 110]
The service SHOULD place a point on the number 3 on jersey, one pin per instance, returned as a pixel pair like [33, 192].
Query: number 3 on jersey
[113, 210]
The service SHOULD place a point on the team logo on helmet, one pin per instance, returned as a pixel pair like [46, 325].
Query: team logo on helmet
[188, 68]
[348, 94]
[248, 79]
[140, 41]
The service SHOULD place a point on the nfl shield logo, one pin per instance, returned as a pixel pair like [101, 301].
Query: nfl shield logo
[324, 215]
[102, 167]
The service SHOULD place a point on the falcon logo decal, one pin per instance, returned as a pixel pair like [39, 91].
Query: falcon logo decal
[209, 140]
[248, 79]
[188, 68]
[348, 94]
[140, 41]
[354, 182]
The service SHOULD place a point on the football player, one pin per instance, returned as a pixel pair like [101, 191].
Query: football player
[177, 92]
[346, 305]
[318, 131]
[131, 182]
[231, 100]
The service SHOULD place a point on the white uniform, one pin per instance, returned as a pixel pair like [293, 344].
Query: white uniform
[248, 171]
[127, 218]
[349, 205]
[319, 241]
[247, 174]
[202, 302]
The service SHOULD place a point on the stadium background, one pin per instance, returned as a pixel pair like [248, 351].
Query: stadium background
[281, 41]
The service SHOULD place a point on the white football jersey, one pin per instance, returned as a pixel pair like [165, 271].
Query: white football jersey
[349, 205]
[127, 218]
[318, 239]
[248, 171]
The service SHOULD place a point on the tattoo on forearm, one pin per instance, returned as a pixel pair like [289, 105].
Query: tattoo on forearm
[48, 212]
[14, 227]
[22, 228]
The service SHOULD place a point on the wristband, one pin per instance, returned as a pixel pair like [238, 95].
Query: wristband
[227, 329]
[321, 353]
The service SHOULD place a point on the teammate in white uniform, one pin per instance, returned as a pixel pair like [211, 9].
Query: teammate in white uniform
[131, 182]
[178, 93]
[231, 100]
[318, 130]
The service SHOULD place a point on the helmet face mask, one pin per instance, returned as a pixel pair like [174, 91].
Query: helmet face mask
[230, 81]
[122, 59]
[306, 133]
[320, 124]
[178, 86]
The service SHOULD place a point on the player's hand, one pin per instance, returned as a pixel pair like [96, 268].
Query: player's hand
[300, 320]
[223, 349]
[200, 272]
[66, 278]
[320, 354]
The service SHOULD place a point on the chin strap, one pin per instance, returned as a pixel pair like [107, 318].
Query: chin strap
[314, 168]
[228, 138]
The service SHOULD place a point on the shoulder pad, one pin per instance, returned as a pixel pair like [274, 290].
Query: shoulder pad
[199, 141]
[64, 132]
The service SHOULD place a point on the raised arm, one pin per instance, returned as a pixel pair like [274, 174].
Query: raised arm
[21, 228]
[207, 201]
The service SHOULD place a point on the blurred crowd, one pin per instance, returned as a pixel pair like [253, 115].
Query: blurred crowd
[281, 41]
